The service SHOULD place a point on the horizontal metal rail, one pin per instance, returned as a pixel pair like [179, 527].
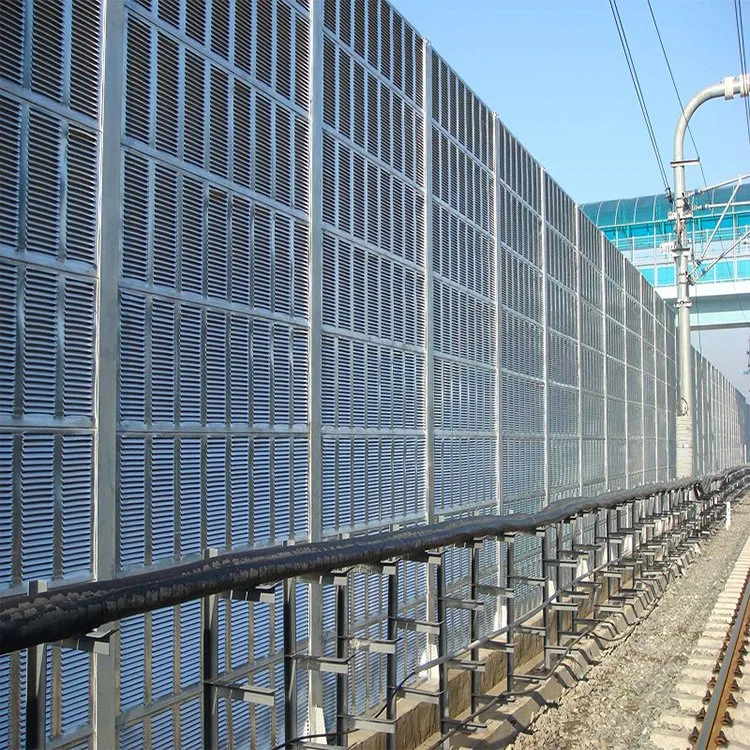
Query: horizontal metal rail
[68, 611]
[716, 709]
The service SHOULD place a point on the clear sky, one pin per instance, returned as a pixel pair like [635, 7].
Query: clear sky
[555, 73]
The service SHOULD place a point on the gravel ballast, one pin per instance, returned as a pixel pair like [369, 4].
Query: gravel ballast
[622, 697]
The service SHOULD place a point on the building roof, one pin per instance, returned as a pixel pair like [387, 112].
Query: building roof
[651, 208]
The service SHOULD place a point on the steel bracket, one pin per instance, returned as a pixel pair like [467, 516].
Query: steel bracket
[95, 642]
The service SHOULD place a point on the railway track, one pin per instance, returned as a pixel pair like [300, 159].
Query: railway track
[714, 691]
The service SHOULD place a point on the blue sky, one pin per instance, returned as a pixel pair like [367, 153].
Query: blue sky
[555, 73]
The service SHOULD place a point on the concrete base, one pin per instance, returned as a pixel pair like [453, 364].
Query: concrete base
[685, 458]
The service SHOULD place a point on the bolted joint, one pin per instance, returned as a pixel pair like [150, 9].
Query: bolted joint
[736, 85]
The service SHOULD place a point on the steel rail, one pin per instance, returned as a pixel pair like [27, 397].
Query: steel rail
[711, 727]
[70, 610]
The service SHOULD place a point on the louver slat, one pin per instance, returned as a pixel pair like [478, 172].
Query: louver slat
[190, 623]
[215, 509]
[162, 730]
[190, 724]
[47, 49]
[12, 51]
[262, 512]
[77, 504]
[163, 361]
[40, 343]
[190, 363]
[138, 76]
[167, 105]
[37, 506]
[162, 663]
[6, 532]
[10, 159]
[43, 207]
[85, 52]
[79, 342]
[82, 196]
[76, 700]
[190, 497]
[239, 521]
[135, 232]
[132, 357]
[132, 659]
[8, 336]
[163, 459]
[132, 507]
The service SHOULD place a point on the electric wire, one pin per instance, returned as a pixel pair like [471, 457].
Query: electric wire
[743, 60]
[689, 130]
[743, 64]
[638, 90]
[676, 90]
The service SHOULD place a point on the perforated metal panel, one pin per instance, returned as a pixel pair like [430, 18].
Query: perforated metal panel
[592, 359]
[49, 143]
[214, 305]
[464, 317]
[522, 282]
[476, 344]
[720, 418]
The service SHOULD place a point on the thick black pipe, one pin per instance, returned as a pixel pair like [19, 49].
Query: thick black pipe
[71, 610]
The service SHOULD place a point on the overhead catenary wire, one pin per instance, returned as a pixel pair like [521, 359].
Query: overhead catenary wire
[743, 60]
[689, 130]
[638, 90]
[743, 63]
[676, 90]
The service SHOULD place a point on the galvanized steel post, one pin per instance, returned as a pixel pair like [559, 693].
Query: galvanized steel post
[105, 708]
[315, 502]
[728, 88]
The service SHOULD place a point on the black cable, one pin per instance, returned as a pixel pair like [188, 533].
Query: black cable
[638, 90]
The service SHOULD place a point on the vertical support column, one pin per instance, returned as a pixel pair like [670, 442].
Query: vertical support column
[36, 685]
[429, 328]
[655, 328]
[391, 670]
[559, 530]
[442, 644]
[578, 345]
[315, 639]
[605, 369]
[497, 209]
[105, 696]
[608, 548]
[620, 546]
[342, 652]
[290, 661]
[476, 677]
[627, 394]
[510, 573]
[209, 663]
[643, 388]
[546, 620]
[603, 266]
[429, 336]
[545, 329]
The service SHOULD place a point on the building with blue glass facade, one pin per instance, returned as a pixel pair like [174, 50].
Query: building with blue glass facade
[643, 231]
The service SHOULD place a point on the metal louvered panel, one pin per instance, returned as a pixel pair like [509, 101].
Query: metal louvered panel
[535, 325]
[49, 222]
[75, 700]
[77, 504]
